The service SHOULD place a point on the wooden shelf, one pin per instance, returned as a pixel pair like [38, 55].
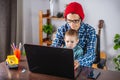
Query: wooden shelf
[47, 42]
[53, 17]
[56, 18]
[48, 17]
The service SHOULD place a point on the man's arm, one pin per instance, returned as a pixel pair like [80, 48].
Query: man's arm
[89, 56]
[58, 41]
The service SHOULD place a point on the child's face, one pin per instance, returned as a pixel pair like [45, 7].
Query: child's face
[71, 41]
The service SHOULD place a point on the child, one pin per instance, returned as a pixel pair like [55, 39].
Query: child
[71, 40]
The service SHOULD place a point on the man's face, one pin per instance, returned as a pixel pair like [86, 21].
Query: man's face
[71, 41]
[74, 21]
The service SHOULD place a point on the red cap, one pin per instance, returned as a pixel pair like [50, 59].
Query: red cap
[76, 8]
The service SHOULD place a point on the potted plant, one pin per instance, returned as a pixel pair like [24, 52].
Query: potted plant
[48, 29]
[116, 60]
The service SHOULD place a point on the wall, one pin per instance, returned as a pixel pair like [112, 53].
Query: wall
[108, 10]
[30, 19]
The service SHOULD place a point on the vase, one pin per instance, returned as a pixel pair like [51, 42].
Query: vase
[51, 7]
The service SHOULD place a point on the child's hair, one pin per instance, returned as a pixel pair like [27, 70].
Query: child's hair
[71, 32]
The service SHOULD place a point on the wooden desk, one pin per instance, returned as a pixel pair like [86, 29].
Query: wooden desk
[8, 74]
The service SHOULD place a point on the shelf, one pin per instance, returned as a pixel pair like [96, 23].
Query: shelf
[54, 17]
[47, 42]
[48, 17]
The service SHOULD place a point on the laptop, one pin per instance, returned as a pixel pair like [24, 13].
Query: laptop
[51, 61]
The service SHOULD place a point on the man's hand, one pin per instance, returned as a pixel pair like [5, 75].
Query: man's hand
[76, 64]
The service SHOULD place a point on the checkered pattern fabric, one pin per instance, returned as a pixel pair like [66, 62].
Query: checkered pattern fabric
[87, 41]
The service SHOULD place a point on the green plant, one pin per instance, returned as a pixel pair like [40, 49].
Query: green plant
[117, 41]
[117, 62]
[48, 29]
[116, 47]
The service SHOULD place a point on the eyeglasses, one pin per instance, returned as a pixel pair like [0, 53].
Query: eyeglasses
[74, 21]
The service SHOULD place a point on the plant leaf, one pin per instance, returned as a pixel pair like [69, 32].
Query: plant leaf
[116, 41]
[48, 28]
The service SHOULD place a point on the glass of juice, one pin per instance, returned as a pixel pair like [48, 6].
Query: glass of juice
[17, 53]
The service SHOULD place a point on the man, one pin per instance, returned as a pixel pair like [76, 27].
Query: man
[74, 16]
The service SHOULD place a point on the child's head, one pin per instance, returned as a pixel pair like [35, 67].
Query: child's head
[71, 38]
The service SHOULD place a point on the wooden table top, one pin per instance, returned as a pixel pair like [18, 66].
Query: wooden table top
[23, 73]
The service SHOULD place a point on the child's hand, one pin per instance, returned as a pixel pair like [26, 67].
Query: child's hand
[76, 64]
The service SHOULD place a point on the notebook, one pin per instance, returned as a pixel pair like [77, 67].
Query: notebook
[51, 61]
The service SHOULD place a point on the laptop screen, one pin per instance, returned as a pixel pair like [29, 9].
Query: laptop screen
[50, 60]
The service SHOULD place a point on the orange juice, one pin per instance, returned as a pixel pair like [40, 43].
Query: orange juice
[17, 53]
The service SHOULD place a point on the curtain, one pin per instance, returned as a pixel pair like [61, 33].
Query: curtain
[8, 26]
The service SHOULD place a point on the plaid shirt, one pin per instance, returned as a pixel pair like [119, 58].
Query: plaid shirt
[87, 40]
